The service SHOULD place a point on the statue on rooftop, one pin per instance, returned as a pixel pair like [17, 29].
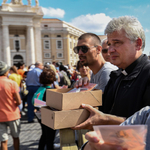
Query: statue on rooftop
[37, 2]
[29, 2]
[4, 1]
[16, 2]
[20, 2]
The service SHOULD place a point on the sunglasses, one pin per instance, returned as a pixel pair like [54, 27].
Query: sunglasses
[105, 50]
[83, 48]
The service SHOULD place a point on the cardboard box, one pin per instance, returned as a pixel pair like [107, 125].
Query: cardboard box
[61, 100]
[56, 119]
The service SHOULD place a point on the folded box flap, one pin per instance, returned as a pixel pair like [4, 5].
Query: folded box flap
[97, 94]
[74, 100]
[70, 118]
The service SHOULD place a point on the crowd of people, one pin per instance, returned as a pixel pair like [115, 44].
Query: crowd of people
[117, 65]
[18, 87]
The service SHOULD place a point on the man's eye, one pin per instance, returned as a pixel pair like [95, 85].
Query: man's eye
[117, 43]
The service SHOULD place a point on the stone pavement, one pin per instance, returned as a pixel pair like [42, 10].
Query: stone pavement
[29, 135]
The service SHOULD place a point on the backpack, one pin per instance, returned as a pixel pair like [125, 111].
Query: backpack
[39, 93]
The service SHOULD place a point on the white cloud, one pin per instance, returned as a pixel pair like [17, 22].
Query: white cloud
[91, 23]
[52, 12]
[146, 30]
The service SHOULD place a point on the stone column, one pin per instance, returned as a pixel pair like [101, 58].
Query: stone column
[6, 46]
[1, 46]
[66, 49]
[38, 44]
[53, 47]
[30, 50]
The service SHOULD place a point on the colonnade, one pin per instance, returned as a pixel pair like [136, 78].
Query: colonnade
[33, 45]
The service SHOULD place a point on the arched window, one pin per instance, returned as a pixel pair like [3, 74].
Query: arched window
[17, 59]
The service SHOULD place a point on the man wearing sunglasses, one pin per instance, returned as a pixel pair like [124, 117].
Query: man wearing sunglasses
[105, 52]
[89, 50]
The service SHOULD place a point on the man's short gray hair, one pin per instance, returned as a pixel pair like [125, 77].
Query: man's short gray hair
[37, 63]
[130, 25]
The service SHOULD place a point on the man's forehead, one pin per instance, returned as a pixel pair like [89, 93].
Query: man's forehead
[116, 36]
[85, 41]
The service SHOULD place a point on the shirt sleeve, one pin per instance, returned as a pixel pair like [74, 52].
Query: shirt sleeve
[139, 117]
[103, 80]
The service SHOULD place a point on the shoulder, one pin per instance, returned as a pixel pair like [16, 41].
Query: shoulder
[19, 76]
[19, 70]
[145, 110]
[14, 83]
[38, 70]
[145, 70]
[144, 62]
[11, 82]
[10, 76]
[109, 66]
[147, 65]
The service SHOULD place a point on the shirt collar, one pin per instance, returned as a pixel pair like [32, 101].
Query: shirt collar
[129, 69]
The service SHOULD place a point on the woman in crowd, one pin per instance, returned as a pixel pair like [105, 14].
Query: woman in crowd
[18, 79]
[47, 78]
[15, 76]
[81, 72]
[56, 83]
[84, 70]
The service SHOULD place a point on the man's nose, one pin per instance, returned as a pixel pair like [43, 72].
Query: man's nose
[111, 49]
[80, 52]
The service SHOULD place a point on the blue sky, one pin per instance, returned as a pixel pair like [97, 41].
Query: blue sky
[93, 15]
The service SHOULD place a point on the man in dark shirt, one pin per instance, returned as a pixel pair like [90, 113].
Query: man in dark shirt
[128, 88]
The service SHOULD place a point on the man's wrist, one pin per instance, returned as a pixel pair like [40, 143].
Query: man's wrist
[114, 120]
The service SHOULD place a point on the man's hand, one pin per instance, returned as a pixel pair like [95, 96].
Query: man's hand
[81, 82]
[96, 118]
[94, 143]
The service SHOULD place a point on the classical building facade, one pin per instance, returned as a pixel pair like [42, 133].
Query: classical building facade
[25, 36]
[58, 40]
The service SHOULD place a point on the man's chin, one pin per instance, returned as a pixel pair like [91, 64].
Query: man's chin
[84, 63]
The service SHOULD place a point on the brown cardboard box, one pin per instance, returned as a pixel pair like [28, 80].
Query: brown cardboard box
[56, 119]
[61, 100]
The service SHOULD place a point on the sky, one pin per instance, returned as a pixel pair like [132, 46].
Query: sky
[93, 15]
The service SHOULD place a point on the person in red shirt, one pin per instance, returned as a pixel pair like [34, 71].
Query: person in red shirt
[9, 111]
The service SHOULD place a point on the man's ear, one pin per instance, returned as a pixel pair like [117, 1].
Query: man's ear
[139, 43]
[99, 49]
